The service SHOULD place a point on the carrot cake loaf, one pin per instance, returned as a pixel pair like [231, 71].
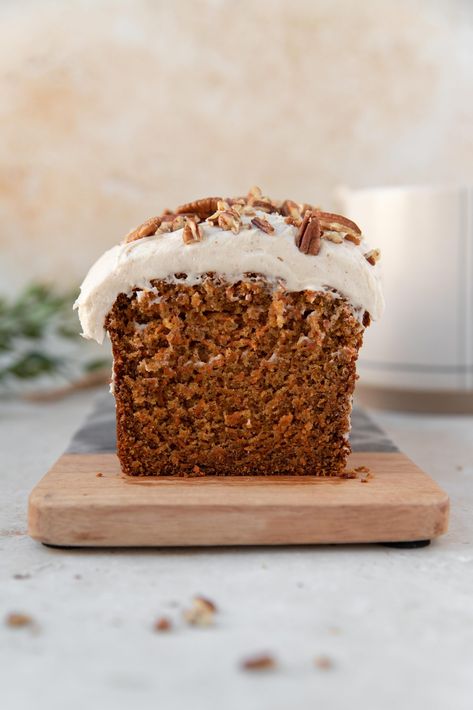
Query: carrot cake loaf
[235, 326]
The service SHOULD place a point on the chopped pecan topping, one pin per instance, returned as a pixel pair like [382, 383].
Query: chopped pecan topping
[289, 208]
[254, 193]
[202, 208]
[147, 229]
[312, 223]
[222, 205]
[258, 201]
[295, 221]
[179, 222]
[305, 206]
[334, 237]
[227, 218]
[263, 224]
[191, 232]
[373, 256]
[165, 227]
[212, 218]
[237, 207]
[354, 238]
[308, 236]
[232, 201]
[264, 206]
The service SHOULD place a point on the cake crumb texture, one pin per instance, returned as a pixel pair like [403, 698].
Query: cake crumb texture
[233, 379]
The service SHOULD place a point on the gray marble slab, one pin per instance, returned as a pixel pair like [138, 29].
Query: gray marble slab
[97, 433]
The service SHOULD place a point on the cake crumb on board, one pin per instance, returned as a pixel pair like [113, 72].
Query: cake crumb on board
[362, 473]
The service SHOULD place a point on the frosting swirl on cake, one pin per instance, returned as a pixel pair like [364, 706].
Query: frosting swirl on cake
[340, 265]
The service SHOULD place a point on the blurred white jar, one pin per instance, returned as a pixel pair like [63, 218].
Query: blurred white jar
[419, 356]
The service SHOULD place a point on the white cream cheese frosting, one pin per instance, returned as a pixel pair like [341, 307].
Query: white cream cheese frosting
[341, 267]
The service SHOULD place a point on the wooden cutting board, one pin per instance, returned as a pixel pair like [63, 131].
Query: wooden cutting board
[85, 500]
[73, 505]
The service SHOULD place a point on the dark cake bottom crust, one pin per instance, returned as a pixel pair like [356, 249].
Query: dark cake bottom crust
[240, 379]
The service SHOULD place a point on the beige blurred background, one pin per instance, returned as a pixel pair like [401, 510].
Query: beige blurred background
[111, 111]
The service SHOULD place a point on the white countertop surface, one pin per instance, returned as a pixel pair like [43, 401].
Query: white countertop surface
[397, 624]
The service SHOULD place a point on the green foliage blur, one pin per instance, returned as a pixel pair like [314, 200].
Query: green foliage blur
[34, 328]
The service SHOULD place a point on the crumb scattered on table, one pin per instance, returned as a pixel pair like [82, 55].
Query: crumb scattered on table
[323, 662]
[335, 630]
[162, 624]
[259, 662]
[201, 613]
[18, 620]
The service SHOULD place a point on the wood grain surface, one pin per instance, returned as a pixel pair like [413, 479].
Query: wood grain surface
[75, 506]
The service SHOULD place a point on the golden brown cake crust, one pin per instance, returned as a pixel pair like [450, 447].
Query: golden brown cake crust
[240, 379]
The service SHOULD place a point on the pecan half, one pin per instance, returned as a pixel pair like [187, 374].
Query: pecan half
[202, 208]
[263, 224]
[191, 232]
[308, 236]
[339, 223]
[147, 229]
